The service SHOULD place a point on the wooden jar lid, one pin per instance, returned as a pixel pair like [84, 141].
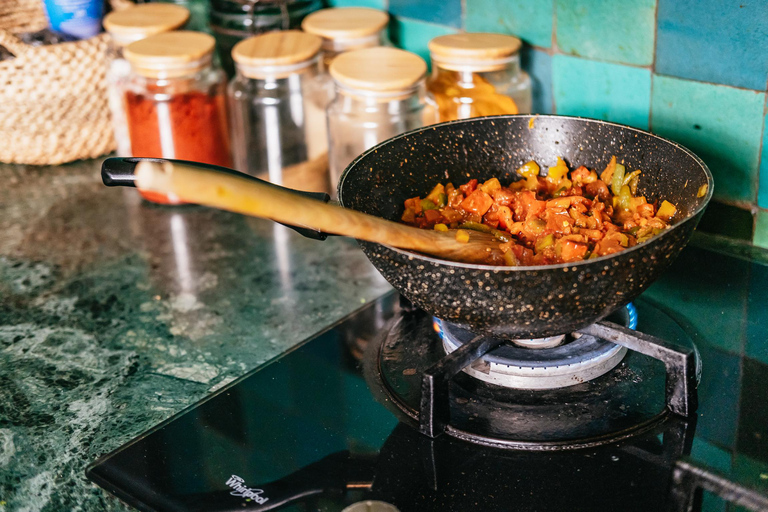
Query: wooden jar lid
[380, 69]
[144, 20]
[345, 22]
[170, 54]
[275, 49]
[474, 50]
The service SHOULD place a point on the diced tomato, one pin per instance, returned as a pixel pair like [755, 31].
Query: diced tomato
[516, 228]
[645, 210]
[503, 196]
[433, 216]
[594, 235]
[558, 221]
[477, 202]
[525, 205]
[572, 251]
[535, 209]
[414, 204]
[491, 218]
[468, 187]
[582, 176]
[455, 198]
[452, 215]
[505, 217]
[523, 254]
[608, 246]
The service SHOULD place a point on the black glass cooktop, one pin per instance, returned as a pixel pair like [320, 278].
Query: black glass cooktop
[306, 433]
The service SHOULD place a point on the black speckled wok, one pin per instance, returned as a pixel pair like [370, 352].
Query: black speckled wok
[511, 302]
[523, 302]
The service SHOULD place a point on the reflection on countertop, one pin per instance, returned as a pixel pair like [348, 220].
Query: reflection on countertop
[115, 314]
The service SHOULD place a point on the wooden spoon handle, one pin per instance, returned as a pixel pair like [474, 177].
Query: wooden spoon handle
[230, 192]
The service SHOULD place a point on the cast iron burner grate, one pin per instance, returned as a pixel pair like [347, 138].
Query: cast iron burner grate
[653, 379]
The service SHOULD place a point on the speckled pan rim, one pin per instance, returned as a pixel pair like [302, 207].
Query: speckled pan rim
[521, 268]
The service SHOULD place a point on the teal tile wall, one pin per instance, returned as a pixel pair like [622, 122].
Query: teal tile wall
[618, 31]
[761, 229]
[601, 90]
[718, 41]
[722, 125]
[691, 70]
[762, 197]
[530, 20]
[414, 35]
[373, 4]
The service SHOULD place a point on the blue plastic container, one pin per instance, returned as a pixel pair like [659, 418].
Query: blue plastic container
[79, 18]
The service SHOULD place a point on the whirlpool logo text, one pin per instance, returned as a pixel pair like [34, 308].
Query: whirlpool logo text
[241, 491]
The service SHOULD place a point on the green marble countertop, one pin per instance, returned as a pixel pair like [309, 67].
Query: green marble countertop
[115, 314]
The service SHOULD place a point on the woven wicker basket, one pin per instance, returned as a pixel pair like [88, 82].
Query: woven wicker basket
[53, 99]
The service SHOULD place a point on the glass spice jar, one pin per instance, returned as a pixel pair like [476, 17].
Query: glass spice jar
[478, 75]
[124, 28]
[278, 134]
[343, 29]
[176, 102]
[379, 94]
[234, 20]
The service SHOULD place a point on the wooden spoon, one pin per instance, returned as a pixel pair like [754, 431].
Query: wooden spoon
[242, 195]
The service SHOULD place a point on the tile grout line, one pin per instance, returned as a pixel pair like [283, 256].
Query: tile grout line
[554, 50]
[653, 63]
[759, 166]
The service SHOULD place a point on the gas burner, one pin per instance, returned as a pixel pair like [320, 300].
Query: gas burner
[605, 383]
[546, 363]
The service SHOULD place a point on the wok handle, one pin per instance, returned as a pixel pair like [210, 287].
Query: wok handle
[120, 172]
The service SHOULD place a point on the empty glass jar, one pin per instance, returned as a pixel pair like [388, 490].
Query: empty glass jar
[478, 75]
[343, 29]
[278, 133]
[379, 94]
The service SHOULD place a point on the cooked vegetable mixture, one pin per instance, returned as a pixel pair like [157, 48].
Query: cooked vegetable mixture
[562, 217]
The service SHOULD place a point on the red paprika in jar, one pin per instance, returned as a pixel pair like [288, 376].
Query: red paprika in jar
[175, 102]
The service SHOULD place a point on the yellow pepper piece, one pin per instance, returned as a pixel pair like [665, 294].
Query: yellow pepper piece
[544, 242]
[702, 190]
[625, 199]
[666, 211]
[490, 185]
[510, 260]
[434, 195]
[607, 174]
[558, 171]
[617, 180]
[529, 169]
[462, 236]
[441, 227]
